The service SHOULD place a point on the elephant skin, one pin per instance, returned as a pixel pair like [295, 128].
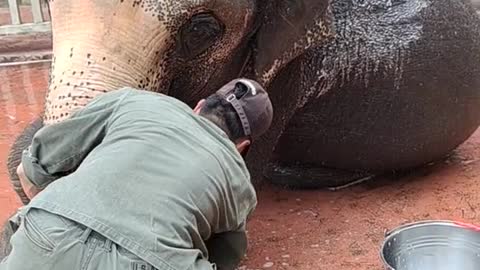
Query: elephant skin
[398, 87]
[14, 159]
[5, 235]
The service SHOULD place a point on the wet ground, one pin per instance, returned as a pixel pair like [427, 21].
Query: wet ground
[21, 100]
[297, 230]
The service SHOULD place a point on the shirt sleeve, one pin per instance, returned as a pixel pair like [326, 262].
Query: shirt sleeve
[227, 249]
[58, 149]
[228, 246]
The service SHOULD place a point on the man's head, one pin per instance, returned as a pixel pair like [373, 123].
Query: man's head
[241, 108]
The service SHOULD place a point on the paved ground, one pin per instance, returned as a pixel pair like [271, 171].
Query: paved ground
[298, 230]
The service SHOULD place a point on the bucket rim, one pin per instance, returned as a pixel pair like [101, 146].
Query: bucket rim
[391, 233]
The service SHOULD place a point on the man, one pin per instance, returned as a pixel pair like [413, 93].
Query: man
[137, 180]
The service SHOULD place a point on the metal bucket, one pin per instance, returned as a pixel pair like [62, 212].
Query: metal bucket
[432, 245]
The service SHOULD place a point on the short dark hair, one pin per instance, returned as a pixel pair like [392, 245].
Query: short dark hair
[222, 113]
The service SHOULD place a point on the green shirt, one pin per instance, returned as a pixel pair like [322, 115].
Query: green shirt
[146, 172]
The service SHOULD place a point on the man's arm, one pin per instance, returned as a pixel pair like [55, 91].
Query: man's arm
[27, 185]
[58, 149]
[227, 249]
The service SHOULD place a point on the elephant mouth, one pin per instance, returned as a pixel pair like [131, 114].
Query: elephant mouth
[203, 89]
[240, 65]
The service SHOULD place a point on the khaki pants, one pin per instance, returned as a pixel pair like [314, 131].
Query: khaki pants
[45, 241]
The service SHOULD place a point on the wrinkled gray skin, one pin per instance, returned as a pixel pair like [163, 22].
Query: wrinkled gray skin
[398, 87]
[359, 87]
[5, 236]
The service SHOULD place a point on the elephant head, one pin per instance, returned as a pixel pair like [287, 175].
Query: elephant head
[185, 48]
[100, 46]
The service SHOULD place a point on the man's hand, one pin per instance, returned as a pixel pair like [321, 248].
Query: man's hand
[30, 189]
[227, 249]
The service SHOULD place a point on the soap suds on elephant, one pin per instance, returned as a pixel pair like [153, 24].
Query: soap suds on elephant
[370, 35]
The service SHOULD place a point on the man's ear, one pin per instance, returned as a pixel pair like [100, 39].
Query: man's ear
[199, 106]
[243, 145]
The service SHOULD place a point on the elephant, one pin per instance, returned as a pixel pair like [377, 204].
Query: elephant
[360, 88]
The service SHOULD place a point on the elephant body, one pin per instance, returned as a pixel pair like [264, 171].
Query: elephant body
[359, 87]
[379, 98]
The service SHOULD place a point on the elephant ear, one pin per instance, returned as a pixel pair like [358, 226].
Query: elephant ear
[288, 28]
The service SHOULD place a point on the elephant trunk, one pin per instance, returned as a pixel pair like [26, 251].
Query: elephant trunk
[95, 53]
[15, 156]
[6, 233]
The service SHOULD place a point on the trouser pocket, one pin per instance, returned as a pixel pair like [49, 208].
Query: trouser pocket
[45, 230]
[34, 231]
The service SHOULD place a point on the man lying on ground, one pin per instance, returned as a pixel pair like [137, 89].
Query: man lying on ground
[137, 180]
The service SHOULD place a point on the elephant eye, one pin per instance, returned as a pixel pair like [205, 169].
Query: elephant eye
[197, 35]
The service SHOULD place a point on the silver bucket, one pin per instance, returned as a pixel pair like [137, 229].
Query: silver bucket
[432, 245]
